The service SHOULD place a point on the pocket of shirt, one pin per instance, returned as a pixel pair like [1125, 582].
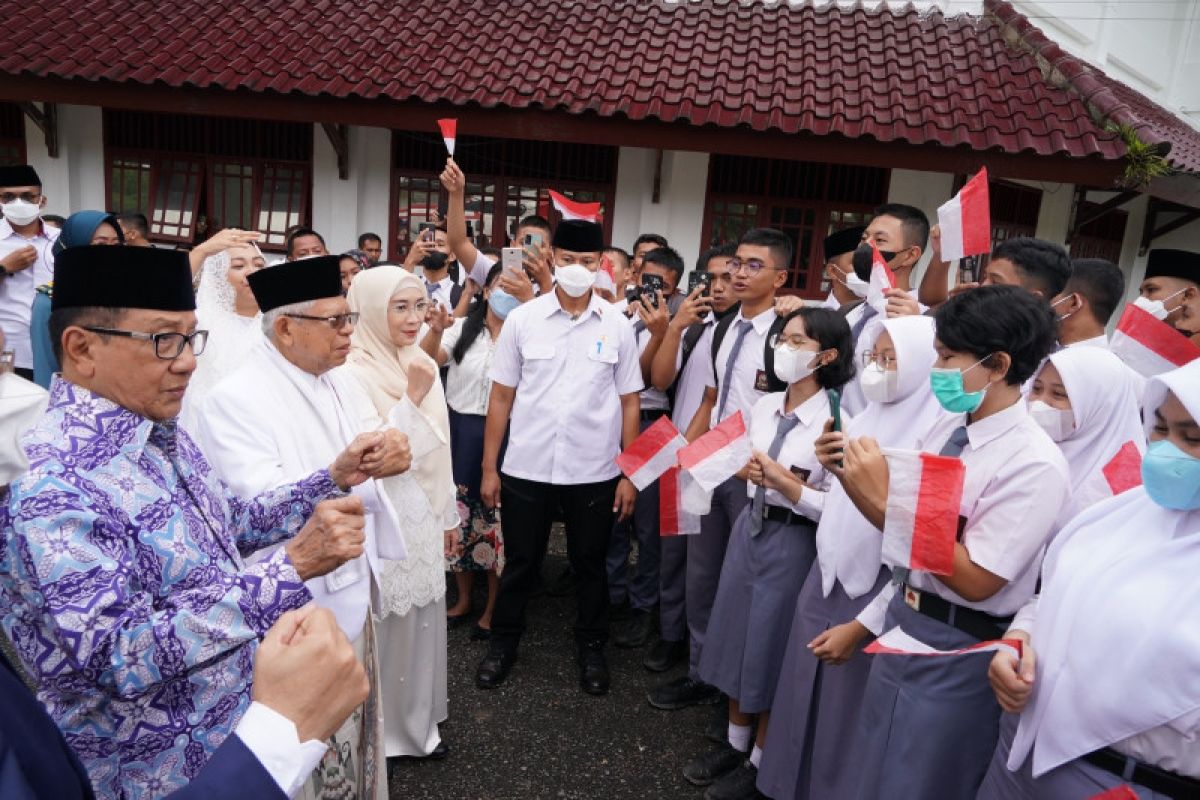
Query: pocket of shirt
[605, 353]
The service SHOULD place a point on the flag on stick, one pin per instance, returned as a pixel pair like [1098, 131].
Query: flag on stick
[652, 453]
[1148, 345]
[921, 523]
[718, 454]
[674, 518]
[898, 643]
[589, 212]
[966, 220]
[449, 131]
[882, 279]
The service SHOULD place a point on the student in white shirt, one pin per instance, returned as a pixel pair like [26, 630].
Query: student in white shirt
[1106, 685]
[26, 261]
[845, 287]
[759, 268]
[1087, 302]
[565, 383]
[919, 711]
[447, 294]
[773, 544]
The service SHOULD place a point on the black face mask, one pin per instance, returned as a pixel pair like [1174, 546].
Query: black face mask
[863, 257]
[434, 262]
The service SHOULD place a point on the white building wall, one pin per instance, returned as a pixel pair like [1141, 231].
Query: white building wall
[926, 191]
[73, 181]
[342, 209]
[679, 214]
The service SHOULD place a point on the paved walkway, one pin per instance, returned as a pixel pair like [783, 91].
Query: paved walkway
[540, 736]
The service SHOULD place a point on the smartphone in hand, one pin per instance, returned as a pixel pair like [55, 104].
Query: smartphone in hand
[427, 231]
[696, 279]
[512, 257]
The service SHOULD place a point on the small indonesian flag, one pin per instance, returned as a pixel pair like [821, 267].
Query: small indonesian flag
[1124, 471]
[898, 643]
[966, 220]
[674, 517]
[718, 454]
[606, 279]
[882, 279]
[449, 133]
[1150, 346]
[921, 522]
[652, 453]
[1122, 792]
[590, 212]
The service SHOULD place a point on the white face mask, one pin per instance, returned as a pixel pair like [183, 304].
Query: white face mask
[1059, 423]
[575, 279]
[1156, 308]
[19, 213]
[856, 284]
[878, 385]
[794, 365]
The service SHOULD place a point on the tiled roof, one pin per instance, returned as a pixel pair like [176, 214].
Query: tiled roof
[917, 77]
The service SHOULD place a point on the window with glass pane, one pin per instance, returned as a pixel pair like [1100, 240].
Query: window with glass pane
[281, 201]
[798, 223]
[130, 185]
[731, 219]
[480, 211]
[416, 202]
[231, 200]
[524, 201]
[176, 195]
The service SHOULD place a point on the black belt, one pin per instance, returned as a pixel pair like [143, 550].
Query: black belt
[778, 514]
[1155, 779]
[653, 414]
[979, 624]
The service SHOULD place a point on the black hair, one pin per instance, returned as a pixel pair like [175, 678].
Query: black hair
[776, 241]
[831, 331]
[619, 251]
[913, 222]
[80, 316]
[491, 252]
[727, 250]
[999, 319]
[298, 231]
[54, 219]
[475, 320]
[1101, 282]
[668, 259]
[536, 221]
[368, 237]
[135, 220]
[650, 238]
[1042, 266]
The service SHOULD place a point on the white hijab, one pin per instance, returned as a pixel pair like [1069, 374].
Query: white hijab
[1104, 396]
[848, 546]
[231, 337]
[1116, 636]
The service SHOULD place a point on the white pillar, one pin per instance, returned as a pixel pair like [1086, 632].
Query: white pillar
[926, 191]
[74, 181]
[1054, 213]
[679, 214]
[342, 209]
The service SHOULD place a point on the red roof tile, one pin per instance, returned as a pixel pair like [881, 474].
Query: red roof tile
[990, 82]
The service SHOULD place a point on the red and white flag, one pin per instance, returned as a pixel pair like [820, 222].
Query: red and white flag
[966, 220]
[1124, 470]
[674, 516]
[898, 643]
[1148, 345]
[882, 279]
[718, 454]
[921, 522]
[589, 212]
[652, 453]
[449, 132]
[1122, 792]
[606, 278]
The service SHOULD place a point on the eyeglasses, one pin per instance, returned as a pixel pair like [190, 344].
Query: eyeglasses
[753, 266]
[336, 322]
[777, 340]
[869, 358]
[167, 346]
[420, 308]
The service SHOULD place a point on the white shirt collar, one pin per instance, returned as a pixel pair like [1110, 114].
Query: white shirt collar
[762, 323]
[807, 411]
[985, 430]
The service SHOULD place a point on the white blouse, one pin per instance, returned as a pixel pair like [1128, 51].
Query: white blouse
[467, 384]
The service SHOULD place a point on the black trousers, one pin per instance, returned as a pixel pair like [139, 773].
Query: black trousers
[528, 510]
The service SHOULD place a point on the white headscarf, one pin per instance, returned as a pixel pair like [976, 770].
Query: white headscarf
[848, 546]
[1116, 636]
[1104, 401]
[231, 337]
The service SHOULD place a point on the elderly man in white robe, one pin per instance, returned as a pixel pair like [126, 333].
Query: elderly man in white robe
[285, 409]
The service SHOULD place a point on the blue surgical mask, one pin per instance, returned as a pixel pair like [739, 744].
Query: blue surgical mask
[501, 302]
[1171, 476]
[947, 385]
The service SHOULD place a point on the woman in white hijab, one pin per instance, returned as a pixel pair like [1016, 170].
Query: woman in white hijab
[1106, 686]
[815, 714]
[402, 382]
[225, 307]
[1087, 400]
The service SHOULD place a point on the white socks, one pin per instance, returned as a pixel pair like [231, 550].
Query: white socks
[756, 756]
[739, 737]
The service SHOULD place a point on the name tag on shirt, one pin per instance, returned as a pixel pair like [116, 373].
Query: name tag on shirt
[761, 384]
[604, 350]
[801, 473]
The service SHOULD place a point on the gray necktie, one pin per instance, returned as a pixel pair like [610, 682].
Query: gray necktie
[953, 448]
[430, 288]
[744, 327]
[758, 506]
[868, 313]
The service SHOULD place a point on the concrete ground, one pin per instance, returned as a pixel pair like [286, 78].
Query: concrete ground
[540, 736]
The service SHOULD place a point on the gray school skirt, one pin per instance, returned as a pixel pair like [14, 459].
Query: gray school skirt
[928, 724]
[814, 718]
[756, 597]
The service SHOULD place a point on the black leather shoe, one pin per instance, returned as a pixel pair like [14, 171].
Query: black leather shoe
[480, 633]
[717, 727]
[736, 785]
[635, 631]
[664, 655]
[681, 693]
[713, 765]
[593, 671]
[494, 669]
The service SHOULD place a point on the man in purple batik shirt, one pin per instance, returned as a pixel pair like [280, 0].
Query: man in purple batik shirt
[122, 580]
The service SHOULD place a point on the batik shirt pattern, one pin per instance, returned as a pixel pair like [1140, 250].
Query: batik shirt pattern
[123, 588]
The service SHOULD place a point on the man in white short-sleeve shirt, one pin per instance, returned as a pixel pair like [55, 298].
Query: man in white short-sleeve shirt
[565, 383]
[26, 261]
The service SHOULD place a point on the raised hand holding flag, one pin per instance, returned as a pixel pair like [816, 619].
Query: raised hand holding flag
[966, 220]
[449, 133]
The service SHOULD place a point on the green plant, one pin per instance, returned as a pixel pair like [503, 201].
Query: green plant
[1143, 162]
